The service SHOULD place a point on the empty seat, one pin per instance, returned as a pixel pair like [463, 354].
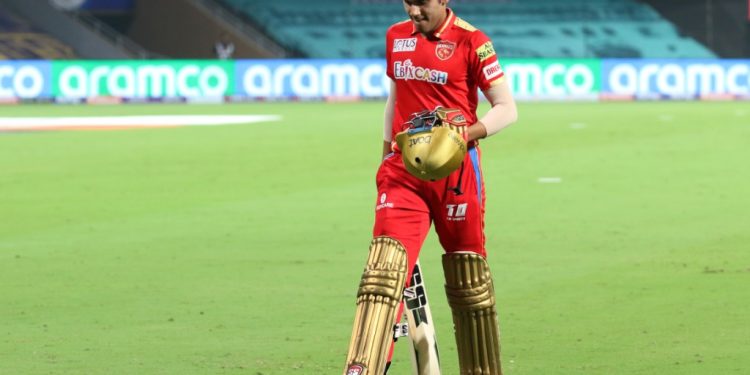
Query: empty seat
[529, 28]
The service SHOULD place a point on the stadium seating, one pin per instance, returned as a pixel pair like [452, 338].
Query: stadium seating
[519, 29]
[19, 40]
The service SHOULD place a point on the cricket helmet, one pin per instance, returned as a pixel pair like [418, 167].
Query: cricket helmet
[435, 144]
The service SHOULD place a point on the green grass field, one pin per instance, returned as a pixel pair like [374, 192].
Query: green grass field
[238, 249]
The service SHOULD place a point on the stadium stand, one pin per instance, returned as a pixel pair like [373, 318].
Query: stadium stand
[20, 40]
[65, 35]
[520, 29]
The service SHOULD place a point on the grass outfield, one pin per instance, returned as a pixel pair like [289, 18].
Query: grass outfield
[238, 249]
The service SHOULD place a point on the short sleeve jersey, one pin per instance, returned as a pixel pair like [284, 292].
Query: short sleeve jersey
[443, 69]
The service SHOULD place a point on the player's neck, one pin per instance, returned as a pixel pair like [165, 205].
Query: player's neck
[438, 25]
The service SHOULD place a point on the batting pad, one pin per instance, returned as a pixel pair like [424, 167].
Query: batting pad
[378, 297]
[471, 296]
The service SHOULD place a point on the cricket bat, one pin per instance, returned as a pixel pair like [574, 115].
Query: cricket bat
[419, 327]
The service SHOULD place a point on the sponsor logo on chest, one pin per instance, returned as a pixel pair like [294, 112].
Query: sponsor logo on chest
[406, 70]
[405, 45]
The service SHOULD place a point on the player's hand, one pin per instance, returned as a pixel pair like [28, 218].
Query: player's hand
[399, 142]
[454, 120]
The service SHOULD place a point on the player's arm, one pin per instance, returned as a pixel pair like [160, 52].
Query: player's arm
[390, 105]
[502, 113]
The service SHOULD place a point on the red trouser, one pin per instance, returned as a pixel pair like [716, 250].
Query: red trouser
[407, 205]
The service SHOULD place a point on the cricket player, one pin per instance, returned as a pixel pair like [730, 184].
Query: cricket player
[434, 59]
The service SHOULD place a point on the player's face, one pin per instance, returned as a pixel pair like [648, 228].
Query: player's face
[426, 14]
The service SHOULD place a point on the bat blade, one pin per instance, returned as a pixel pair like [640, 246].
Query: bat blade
[419, 327]
[424, 354]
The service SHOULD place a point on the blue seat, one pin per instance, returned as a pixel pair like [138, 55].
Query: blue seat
[529, 28]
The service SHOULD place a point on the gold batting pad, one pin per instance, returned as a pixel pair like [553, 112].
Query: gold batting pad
[378, 297]
[468, 285]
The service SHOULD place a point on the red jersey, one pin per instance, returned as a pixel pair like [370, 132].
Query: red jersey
[444, 69]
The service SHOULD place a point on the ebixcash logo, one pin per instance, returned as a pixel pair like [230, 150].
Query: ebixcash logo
[407, 71]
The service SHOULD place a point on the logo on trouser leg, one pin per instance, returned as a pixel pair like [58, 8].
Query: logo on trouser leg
[383, 203]
[457, 212]
[355, 370]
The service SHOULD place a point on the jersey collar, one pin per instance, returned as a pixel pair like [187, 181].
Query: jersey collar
[442, 29]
